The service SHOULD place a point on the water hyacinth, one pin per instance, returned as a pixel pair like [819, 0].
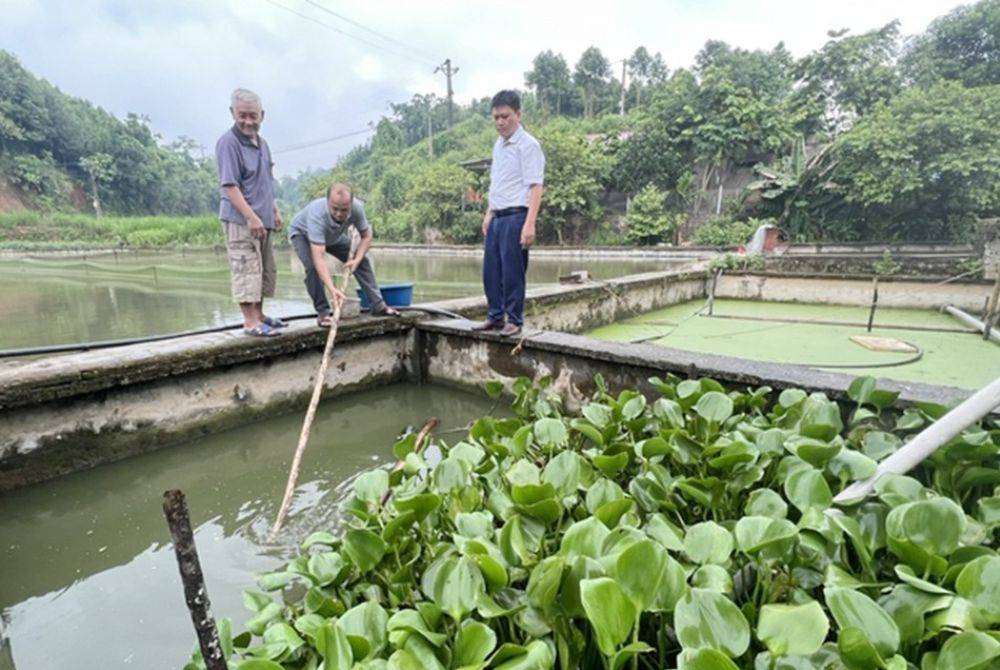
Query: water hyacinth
[690, 530]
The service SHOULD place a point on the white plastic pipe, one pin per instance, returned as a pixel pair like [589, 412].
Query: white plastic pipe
[939, 433]
[971, 321]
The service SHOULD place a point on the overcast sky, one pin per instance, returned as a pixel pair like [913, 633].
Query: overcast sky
[322, 75]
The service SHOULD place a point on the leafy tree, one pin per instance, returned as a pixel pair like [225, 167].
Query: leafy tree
[422, 116]
[767, 74]
[435, 202]
[647, 220]
[644, 70]
[9, 129]
[728, 124]
[388, 139]
[575, 172]
[963, 45]
[591, 75]
[190, 180]
[386, 146]
[101, 168]
[292, 193]
[849, 76]
[925, 164]
[23, 112]
[550, 79]
[37, 176]
[653, 153]
[391, 192]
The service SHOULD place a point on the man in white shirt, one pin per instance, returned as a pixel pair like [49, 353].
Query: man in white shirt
[516, 177]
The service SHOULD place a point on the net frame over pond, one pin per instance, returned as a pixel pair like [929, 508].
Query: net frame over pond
[943, 351]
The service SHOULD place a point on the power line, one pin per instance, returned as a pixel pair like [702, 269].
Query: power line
[338, 30]
[313, 143]
[371, 30]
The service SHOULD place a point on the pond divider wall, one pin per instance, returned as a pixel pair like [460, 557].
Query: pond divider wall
[68, 413]
[852, 290]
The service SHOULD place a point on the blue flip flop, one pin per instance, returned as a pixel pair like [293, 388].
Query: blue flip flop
[274, 322]
[263, 330]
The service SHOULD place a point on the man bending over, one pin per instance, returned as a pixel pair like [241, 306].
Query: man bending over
[321, 229]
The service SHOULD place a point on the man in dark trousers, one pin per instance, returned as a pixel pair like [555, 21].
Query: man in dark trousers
[321, 228]
[516, 176]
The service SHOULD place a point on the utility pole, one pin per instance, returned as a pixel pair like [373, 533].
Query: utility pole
[430, 136]
[448, 72]
[621, 103]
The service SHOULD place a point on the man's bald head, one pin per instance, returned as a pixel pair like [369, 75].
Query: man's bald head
[339, 198]
[341, 189]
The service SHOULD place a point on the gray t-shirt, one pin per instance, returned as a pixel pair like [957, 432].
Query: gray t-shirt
[247, 166]
[316, 224]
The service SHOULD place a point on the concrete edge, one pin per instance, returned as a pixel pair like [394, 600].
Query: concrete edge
[724, 369]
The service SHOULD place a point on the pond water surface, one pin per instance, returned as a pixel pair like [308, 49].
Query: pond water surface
[88, 578]
[48, 301]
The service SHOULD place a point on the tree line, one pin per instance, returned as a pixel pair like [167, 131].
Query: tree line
[873, 136]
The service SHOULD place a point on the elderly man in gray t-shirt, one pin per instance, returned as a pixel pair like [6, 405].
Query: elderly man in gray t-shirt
[321, 228]
[248, 212]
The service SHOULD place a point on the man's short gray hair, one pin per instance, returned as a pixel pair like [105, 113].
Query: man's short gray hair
[244, 95]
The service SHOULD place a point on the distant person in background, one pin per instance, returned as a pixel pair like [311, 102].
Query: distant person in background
[516, 176]
[321, 229]
[249, 212]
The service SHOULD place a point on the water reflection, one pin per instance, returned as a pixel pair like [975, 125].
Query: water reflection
[52, 301]
[88, 579]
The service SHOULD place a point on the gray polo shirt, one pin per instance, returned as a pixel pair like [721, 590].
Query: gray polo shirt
[518, 164]
[248, 166]
[315, 223]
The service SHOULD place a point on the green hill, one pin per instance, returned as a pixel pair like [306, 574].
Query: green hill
[876, 136]
[55, 150]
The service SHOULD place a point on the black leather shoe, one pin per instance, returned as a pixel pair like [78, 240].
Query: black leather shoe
[510, 330]
[489, 325]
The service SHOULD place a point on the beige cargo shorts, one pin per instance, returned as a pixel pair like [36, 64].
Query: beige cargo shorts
[251, 263]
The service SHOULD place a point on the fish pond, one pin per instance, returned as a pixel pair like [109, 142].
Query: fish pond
[941, 351]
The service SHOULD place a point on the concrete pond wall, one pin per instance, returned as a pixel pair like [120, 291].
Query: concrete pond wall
[67, 413]
[892, 292]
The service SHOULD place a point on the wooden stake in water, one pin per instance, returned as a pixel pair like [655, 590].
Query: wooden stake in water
[195, 592]
[711, 292]
[418, 446]
[993, 309]
[871, 314]
[293, 474]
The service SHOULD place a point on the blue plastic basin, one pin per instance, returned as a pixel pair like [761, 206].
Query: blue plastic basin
[399, 294]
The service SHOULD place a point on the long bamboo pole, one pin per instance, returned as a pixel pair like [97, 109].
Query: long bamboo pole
[293, 474]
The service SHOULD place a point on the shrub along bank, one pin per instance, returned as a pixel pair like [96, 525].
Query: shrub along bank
[34, 230]
[694, 531]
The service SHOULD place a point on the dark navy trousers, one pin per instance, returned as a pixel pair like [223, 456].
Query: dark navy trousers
[504, 266]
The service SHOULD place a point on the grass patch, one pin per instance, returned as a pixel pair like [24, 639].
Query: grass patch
[36, 230]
